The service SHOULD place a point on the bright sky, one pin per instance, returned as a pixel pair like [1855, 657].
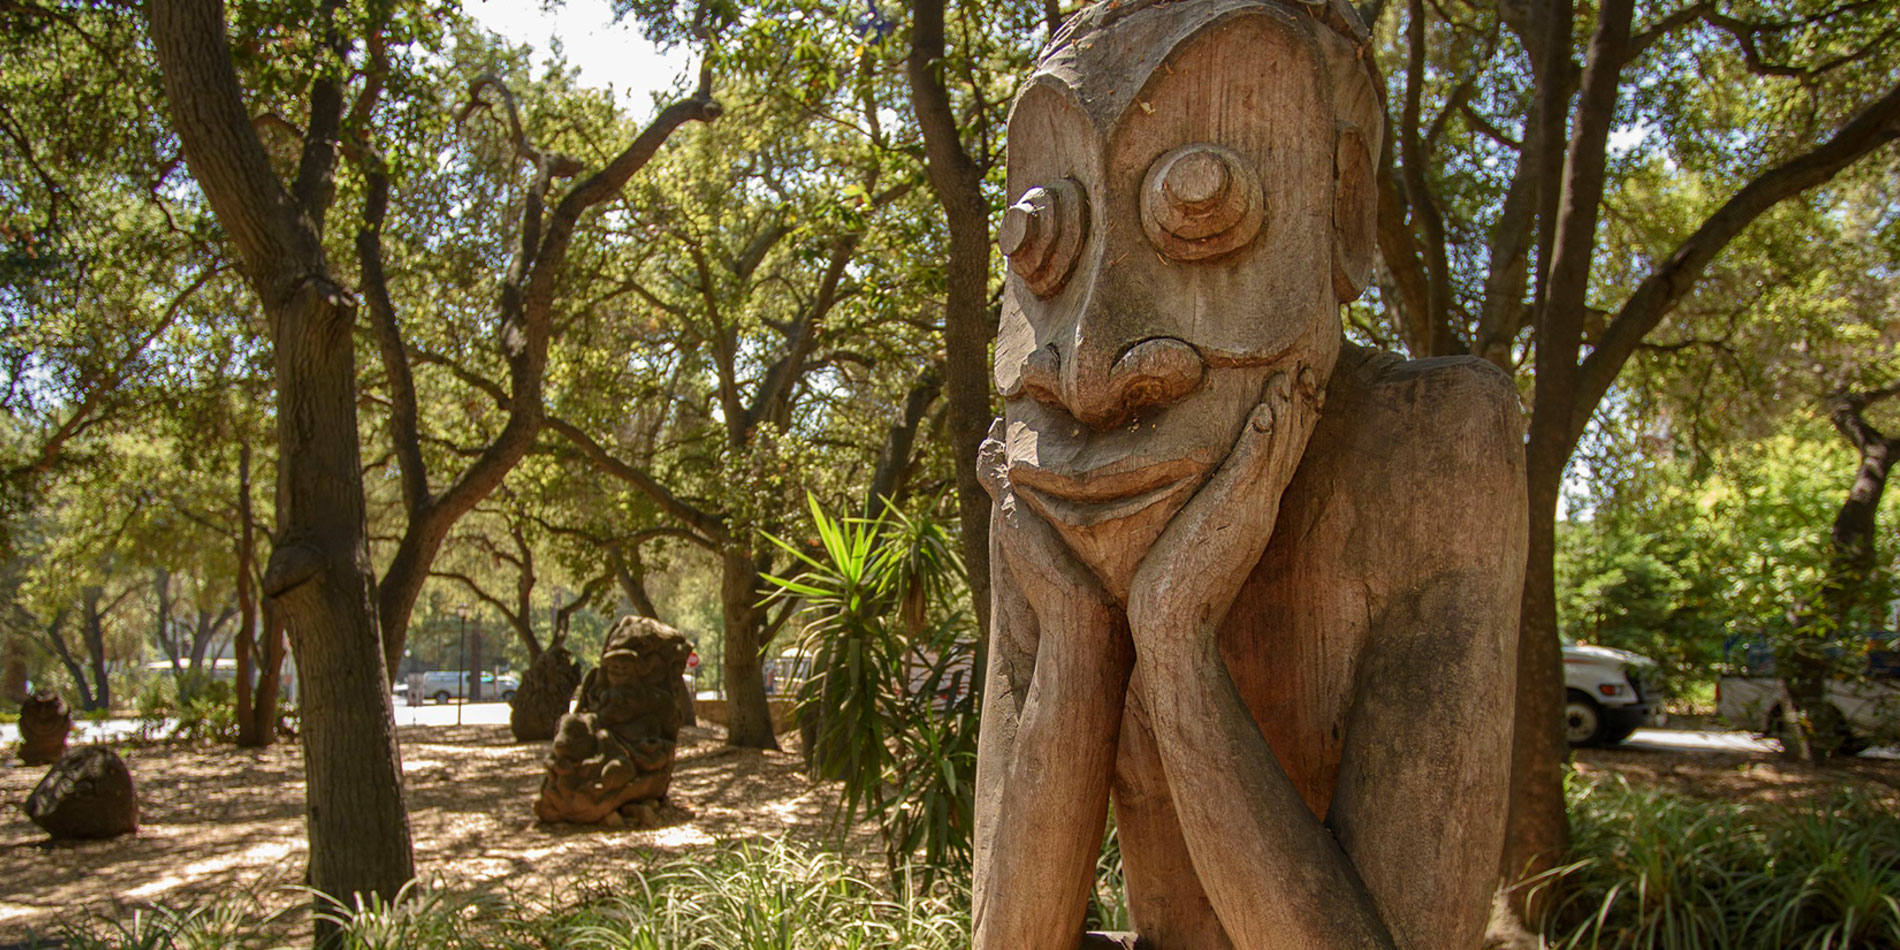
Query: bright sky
[610, 55]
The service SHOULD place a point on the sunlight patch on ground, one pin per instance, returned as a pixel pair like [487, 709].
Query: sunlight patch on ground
[266, 853]
[679, 836]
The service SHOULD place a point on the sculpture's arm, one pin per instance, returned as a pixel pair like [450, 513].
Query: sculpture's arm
[1057, 677]
[1424, 777]
[1272, 871]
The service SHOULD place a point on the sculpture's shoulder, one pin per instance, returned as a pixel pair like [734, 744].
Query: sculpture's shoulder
[1418, 464]
[1442, 403]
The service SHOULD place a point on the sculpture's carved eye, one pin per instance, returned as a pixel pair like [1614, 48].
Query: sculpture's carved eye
[1042, 235]
[1200, 201]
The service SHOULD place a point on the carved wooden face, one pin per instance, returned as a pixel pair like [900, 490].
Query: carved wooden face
[1171, 245]
[621, 669]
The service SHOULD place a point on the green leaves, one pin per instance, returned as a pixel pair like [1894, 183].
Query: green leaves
[889, 704]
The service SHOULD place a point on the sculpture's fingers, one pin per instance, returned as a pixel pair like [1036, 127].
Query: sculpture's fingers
[992, 463]
[1197, 565]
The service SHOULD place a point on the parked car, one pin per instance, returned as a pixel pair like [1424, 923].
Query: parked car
[1606, 694]
[1869, 705]
[444, 685]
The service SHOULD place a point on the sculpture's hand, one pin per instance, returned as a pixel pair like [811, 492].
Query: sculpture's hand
[1194, 570]
[1059, 664]
[1275, 876]
[1044, 568]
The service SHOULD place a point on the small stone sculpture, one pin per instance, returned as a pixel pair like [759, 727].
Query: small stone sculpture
[45, 722]
[1254, 583]
[545, 691]
[613, 755]
[88, 793]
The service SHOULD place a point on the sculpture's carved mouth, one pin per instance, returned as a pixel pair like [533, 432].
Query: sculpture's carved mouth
[1108, 493]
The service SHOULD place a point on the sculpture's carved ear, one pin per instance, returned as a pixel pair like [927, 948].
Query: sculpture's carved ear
[1355, 213]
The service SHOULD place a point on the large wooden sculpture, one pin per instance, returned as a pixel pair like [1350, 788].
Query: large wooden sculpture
[1258, 582]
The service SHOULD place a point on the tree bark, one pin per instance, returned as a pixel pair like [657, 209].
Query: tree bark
[12, 669]
[246, 637]
[92, 632]
[319, 574]
[1539, 835]
[967, 329]
[270, 675]
[887, 480]
[748, 715]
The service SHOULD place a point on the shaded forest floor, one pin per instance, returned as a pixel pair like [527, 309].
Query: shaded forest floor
[218, 822]
[1760, 778]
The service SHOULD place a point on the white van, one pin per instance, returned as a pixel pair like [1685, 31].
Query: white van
[1607, 694]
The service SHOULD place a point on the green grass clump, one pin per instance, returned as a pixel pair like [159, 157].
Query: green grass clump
[1658, 871]
[732, 897]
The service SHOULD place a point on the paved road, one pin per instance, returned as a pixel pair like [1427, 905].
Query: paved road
[1684, 740]
[432, 714]
[496, 714]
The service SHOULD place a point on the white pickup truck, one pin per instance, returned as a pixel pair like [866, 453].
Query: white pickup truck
[1869, 704]
[1607, 694]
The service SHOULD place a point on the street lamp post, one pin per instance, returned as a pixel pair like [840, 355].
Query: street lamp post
[461, 662]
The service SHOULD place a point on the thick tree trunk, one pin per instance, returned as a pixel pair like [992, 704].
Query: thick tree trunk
[967, 328]
[13, 669]
[320, 579]
[748, 716]
[319, 576]
[1538, 826]
[1538, 835]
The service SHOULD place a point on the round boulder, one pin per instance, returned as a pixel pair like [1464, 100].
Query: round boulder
[88, 793]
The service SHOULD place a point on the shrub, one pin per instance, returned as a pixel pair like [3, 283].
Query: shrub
[1664, 871]
[889, 699]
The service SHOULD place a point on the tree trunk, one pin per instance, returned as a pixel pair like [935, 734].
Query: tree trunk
[321, 581]
[1538, 825]
[475, 663]
[748, 716]
[319, 575]
[967, 328]
[167, 633]
[1850, 594]
[270, 676]
[246, 637]
[1538, 835]
[93, 632]
[13, 669]
[893, 464]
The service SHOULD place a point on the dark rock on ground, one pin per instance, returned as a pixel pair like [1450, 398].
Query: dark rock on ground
[88, 793]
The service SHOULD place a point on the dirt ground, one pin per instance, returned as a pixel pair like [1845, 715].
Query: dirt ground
[1743, 777]
[217, 821]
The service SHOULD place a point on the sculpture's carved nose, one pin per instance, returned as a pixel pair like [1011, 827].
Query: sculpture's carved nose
[1102, 393]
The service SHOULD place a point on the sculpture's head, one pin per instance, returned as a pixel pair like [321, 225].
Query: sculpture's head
[1191, 201]
[637, 647]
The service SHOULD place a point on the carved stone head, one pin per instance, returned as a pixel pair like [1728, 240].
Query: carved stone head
[1191, 201]
[639, 649]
